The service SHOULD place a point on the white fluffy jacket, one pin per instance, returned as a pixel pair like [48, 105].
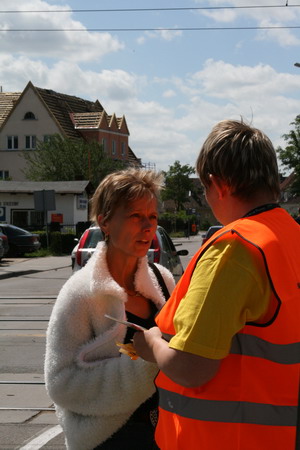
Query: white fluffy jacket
[96, 389]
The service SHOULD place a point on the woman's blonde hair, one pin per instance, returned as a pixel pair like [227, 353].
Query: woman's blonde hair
[241, 156]
[124, 186]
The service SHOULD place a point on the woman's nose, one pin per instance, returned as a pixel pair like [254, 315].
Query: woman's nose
[147, 224]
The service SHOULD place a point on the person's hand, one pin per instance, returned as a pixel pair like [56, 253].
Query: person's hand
[144, 341]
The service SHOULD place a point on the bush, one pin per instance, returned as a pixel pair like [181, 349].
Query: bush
[59, 243]
[205, 225]
[55, 243]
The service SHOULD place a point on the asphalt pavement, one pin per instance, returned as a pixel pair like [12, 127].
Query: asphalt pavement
[28, 289]
[33, 270]
[15, 267]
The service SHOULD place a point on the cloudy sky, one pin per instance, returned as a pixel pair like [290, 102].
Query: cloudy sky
[172, 73]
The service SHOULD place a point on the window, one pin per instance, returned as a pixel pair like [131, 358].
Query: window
[30, 142]
[104, 144]
[26, 218]
[29, 116]
[4, 174]
[113, 147]
[12, 142]
[123, 149]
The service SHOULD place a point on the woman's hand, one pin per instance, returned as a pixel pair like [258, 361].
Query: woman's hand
[144, 342]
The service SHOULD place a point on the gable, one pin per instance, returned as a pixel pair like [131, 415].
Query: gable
[30, 116]
[7, 102]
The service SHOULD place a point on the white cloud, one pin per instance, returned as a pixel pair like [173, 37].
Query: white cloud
[69, 45]
[166, 35]
[266, 16]
[228, 81]
[141, 40]
[169, 93]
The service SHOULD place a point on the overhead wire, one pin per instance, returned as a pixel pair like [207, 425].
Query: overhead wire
[185, 8]
[271, 27]
[103, 30]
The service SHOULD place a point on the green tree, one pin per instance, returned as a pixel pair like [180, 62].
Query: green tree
[178, 184]
[62, 159]
[290, 155]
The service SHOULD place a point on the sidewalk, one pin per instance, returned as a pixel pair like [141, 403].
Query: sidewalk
[15, 267]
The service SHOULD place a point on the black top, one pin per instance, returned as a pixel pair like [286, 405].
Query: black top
[146, 323]
[142, 414]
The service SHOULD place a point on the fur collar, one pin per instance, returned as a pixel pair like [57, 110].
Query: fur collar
[145, 280]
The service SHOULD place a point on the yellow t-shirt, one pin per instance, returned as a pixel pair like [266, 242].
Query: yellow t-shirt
[228, 288]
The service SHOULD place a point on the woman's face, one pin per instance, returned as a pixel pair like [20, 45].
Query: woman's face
[132, 226]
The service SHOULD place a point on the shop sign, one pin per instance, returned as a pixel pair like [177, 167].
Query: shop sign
[82, 202]
[57, 218]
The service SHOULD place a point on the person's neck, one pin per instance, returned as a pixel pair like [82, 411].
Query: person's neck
[122, 268]
[238, 208]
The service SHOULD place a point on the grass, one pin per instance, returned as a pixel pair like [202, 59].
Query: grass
[177, 234]
[39, 253]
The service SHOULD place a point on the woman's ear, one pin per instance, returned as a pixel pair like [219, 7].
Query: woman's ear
[102, 223]
[219, 185]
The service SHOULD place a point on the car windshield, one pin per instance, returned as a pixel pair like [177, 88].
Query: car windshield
[95, 235]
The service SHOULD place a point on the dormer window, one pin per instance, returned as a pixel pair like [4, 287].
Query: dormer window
[29, 116]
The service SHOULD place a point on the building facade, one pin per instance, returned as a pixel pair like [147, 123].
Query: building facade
[68, 205]
[35, 114]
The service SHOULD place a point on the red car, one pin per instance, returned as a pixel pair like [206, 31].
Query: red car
[162, 250]
[5, 245]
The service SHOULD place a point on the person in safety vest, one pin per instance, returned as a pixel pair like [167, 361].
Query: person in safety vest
[227, 342]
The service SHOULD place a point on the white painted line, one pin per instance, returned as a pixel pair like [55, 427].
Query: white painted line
[43, 438]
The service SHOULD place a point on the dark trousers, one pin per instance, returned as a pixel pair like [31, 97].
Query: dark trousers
[132, 436]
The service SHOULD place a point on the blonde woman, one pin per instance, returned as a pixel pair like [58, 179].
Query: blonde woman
[104, 399]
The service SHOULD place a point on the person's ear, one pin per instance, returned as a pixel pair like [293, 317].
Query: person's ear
[102, 223]
[219, 185]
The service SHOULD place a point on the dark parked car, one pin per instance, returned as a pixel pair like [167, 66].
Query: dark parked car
[162, 250]
[1, 249]
[210, 232]
[20, 241]
[4, 243]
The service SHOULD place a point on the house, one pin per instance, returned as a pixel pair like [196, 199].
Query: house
[289, 200]
[19, 203]
[35, 114]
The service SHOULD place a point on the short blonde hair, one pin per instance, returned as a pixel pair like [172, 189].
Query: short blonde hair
[242, 156]
[124, 186]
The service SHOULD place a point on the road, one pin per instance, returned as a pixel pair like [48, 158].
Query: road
[28, 288]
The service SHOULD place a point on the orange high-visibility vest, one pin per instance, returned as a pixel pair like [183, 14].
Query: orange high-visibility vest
[251, 404]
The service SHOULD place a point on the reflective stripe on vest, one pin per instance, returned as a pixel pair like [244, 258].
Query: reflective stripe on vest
[251, 345]
[227, 411]
[255, 346]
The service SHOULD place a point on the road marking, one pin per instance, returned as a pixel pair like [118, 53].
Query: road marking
[21, 335]
[43, 438]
